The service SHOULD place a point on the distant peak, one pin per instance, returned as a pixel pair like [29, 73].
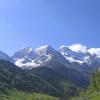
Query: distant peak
[26, 49]
[76, 47]
[94, 51]
[45, 47]
[63, 47]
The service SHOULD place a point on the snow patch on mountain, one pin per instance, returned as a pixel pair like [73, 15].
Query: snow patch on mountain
[29, 58]
[28, 65]
[78, 48]
[71, 59]
[38, 61]
[76, 53]
[44, 50]
[41, 56]
[27, 53]
[94, 51]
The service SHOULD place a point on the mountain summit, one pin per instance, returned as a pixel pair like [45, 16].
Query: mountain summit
[75, 54]
[29, 58]
[45, 55]
[73, 63]
[80, 54]
[4, 56]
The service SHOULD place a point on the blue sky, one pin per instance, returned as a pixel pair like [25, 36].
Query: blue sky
[55, 22]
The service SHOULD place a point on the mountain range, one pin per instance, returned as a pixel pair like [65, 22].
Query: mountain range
[55, 72]
[27, 57]
[76, 53]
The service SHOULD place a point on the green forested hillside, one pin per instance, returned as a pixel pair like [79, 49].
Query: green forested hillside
[42, 84]
[43, 81]
[57, 80]
[93, 91]
[15, 95]
[12, 77]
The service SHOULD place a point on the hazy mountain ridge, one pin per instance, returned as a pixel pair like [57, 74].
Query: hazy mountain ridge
[4, 56]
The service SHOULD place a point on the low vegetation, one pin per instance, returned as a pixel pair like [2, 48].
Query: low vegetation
[93, 91]
[26, 96]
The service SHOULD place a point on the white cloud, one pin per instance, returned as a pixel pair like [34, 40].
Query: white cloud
[78, 48]
[94, 51]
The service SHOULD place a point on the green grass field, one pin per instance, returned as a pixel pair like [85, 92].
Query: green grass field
[95, 96]
[26, 96]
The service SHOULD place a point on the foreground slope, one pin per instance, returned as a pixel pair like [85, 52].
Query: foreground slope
[26, 96]
[66, 87]
[12, 77]
[93, 92]
[41, 80]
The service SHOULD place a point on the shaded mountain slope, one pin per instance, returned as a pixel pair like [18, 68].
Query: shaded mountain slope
[12, 77]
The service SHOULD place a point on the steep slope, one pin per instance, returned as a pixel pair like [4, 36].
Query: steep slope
[74, 63]
[75, 55]
[80, 57]
[48, 50]
[93, 91]
[79, 54]
[16, 95]
[25, 53]
[27, 58]
[95, 82]
[40, 80]
[12, 77]
[24, 56]
[4, 56]
[57, 80]
[51, 58]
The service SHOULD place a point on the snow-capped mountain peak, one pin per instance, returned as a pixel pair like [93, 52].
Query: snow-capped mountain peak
[94, 51]
[26, 57]
[44, 50]
[41, 56]
[80, 54]
[46, 55]
[75, 53]
[25, 52]
[25, 49]
[78, 48]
